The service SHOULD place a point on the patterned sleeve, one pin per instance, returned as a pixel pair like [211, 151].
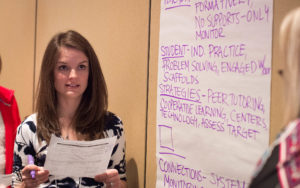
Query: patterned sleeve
[117, 160]
[24, 145]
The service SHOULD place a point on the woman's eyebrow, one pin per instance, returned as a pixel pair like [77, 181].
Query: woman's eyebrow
[61, 62]
[84, 61]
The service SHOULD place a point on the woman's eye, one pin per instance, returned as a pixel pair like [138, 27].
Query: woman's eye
[82, 67]
[62, 67]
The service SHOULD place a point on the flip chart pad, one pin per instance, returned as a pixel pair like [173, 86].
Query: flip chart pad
[214, 82]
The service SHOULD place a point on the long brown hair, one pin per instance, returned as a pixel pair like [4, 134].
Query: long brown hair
[89, 116]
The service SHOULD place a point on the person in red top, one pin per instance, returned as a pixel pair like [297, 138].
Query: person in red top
[10, 121]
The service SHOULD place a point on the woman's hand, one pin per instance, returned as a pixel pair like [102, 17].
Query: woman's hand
[111, 178]
[40, 177]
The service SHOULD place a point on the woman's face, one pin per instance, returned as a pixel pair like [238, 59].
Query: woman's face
[71, 74]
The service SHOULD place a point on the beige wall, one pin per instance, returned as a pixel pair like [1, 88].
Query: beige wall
[118, 30]
[17, 18]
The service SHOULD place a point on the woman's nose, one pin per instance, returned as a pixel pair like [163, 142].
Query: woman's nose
[73, 73]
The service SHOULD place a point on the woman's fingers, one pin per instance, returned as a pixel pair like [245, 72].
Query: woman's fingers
[31, 183]
[101, 177]
[113, 182]
[40, 175]
[111, 178]
[27, 169]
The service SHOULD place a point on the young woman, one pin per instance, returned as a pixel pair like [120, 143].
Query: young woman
[9, 121]
[71, 103]
[280, 165]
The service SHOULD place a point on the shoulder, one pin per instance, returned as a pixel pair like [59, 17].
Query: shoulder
[111, 120]
[288, 130]
[29, 124]
[26, 137]
[114, 123]
[6, 95]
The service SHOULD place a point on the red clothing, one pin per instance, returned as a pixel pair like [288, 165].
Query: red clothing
[11, 118]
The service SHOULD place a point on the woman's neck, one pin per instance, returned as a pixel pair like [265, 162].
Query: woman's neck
[66, 110]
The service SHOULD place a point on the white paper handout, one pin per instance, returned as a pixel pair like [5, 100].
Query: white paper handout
[66, 158]
[5, 179]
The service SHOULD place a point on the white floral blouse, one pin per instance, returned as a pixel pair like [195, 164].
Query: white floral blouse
[27, 143]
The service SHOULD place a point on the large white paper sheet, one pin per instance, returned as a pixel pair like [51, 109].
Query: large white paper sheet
[213, 104]
[5, 180]
[66, 158]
